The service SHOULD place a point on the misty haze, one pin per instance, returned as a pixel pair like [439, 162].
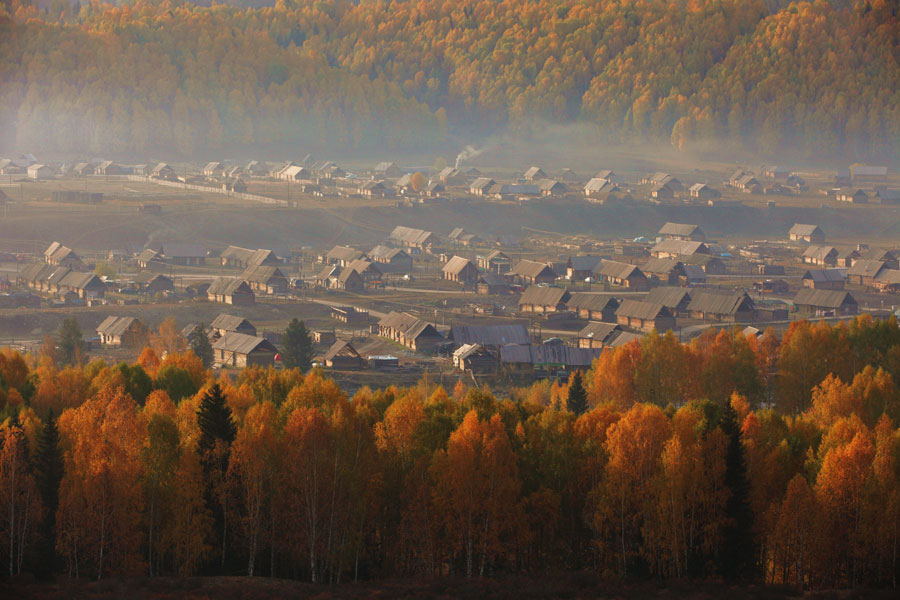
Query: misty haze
[469, 299]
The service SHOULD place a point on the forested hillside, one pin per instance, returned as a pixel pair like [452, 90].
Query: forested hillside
[823, 78]
[763, 459]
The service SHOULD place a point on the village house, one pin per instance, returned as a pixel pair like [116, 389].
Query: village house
[552, 187]
[265, 279]
[749, 184]
[416, 239]
[675, 248]
[404, 185]
[367, 269]
[489, 336]
[475, 359]
[857, 196]
[323, 337]
[540, 300]
[155, 283]
[864, 272]
[236, 256]
[349, 280]
[598, 335]
[621, 274]
[451, 176]
[297, 174]
[150, 259]
[341, 256]
[241, 350]
[645, 316]
[772, 286]
[387, 170]
[39, 171]
[529, 272]
[350, 315]
[183, 254]
[534, 174]
[825, 279]
[460, 270]
[695, 274]
[888, 257]
[343, 356]
[225, 323]
[122, 332]
[702, 191]
[826, 302]
[108, 167]
[888, 280]
[868, 173]
[211, 169]
[490, 284]
[665, 271]
[231, 290]
[421, 336]
[847, 256]
[776, 172]
[392, 260]
[811, 234]
[825, 256]
[372, 189]
[886, 196]
[480, 186]
[721, 307]
[494, 262]
[661, 192]
[579, 268]
[59, 255]
[659, 178]
[594, 307]
[393, 323]
[682, 232]
[526, 360]
[599, 189]
[676, 299]
[162, 171]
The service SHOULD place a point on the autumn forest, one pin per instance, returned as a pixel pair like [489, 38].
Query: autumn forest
[747, 458]
[820, 78]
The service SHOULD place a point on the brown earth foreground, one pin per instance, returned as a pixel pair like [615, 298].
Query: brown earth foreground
[568, 585]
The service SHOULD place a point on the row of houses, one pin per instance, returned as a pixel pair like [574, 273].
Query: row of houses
[63, 281]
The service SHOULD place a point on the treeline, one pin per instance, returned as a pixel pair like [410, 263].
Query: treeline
[821, 78]
[773, 460]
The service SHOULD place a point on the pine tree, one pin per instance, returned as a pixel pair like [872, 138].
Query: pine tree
[217, 432]
[298, 346]
[71, 342]
[48, 462]
[577, 400]
[200, 344]
[737, 559]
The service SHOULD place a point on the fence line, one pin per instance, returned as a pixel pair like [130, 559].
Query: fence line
[209, 189]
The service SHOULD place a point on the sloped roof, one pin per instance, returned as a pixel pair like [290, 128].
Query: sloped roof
[113, 325]
[593, 302]
[457, 264]
[343, 253]
[679, 228]
[667, 296]
[491, 279]
[229, 322]
[237, 253]
[551, 354]
[802, 229]
[241, 343]
[226, 286]
[341, 348]
[599, 331]
[681, 247]
[866, 268]
[397, 320]
[819, 252]
[386, 252]
[584, 262]
[661, 266]
[718, 303]
[262, 274]
[530, 268]
[888, 276]
[544, 296]
[617, 270]
[826, 275]
[639, 309]
[823, 298]
[410, 235]
[489, 335]
[178, 250]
